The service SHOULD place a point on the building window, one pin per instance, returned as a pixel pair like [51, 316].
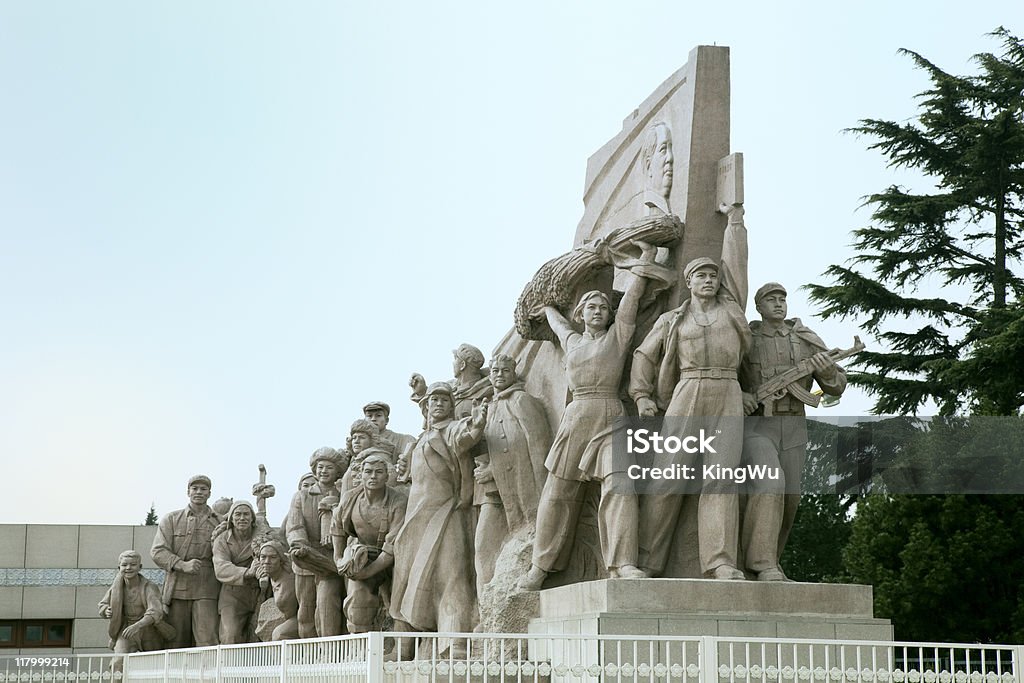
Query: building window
[35, 633]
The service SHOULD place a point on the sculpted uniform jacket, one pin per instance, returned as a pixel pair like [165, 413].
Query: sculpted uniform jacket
[185, 535]
[232, 556]
[303, 523]
[398, 440]
[130, 604]
[367, 532]
[464, 399]
[668, 349]
[773, 354]
[518, 438]
[675, 344]
[581, 449]
[433, 587]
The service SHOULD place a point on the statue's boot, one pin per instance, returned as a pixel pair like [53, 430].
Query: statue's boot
[628, 571]
[533, 580]
[724, 572]
[772, 574]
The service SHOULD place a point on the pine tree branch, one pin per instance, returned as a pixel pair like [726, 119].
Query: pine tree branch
[853, 293]
[896, 396]
[968, 138]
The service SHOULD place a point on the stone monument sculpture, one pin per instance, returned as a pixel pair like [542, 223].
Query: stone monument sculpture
[317, 584]
[687, 367]
[470, 386]
[779, 344]
[306, 480]
[379, 413]
[183, 548]
[518, 438]
[674, 339]
[133, 606]
[662, 165]
[631, 250]
[433, 587]
[274, 566]
[233, 566]
[363, 532]
[363, 434]
[582, 446]
[656, 163]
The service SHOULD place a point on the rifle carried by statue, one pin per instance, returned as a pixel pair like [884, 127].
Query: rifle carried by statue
[788, 382]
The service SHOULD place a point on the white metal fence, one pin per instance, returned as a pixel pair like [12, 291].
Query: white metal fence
[503, 658]
[57, 668]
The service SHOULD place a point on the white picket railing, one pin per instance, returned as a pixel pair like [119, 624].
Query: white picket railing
[521, 658]
[57, 668]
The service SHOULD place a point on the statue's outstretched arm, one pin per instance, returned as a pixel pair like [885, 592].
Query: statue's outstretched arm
[734, 255]
[631, 300]
[559, 325]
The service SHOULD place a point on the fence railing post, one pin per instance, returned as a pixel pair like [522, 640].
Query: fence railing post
[375, 657]
[285, 660]
[708, 659]
[218, 664]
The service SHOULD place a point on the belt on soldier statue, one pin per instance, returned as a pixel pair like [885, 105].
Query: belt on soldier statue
[594, 393]
[707, 373]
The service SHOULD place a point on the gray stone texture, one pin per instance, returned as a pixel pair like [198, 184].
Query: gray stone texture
[46, 602]
[694, 607]
[99, 546]
[11, 599]
[12, 544]
[52, 545]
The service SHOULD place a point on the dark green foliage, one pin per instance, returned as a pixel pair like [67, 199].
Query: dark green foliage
[151, 518]
[904, 454]
[968, 138]
[814, 552]
[944, 568]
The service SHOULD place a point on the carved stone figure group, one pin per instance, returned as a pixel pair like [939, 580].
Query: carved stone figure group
[403, 529]
[406, 532]
[382, 530]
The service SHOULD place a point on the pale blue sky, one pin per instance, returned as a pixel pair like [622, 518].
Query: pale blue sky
[226, 226]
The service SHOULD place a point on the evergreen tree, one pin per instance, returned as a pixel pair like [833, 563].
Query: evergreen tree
[151, 518]
[814, 552]
[968, 138]
[943, 568]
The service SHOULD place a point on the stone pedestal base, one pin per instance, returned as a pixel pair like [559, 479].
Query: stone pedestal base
[702, 607]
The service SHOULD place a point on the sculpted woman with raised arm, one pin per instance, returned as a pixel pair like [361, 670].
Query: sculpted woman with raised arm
[582, 447]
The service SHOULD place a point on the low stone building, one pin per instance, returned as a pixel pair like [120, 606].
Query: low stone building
[52, 577]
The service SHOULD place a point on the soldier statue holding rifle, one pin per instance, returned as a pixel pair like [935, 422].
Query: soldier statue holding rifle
[776, 377]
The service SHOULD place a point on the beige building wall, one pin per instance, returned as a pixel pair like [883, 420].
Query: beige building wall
[56, 571]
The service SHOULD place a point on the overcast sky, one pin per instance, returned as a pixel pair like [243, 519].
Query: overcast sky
[227, 226]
